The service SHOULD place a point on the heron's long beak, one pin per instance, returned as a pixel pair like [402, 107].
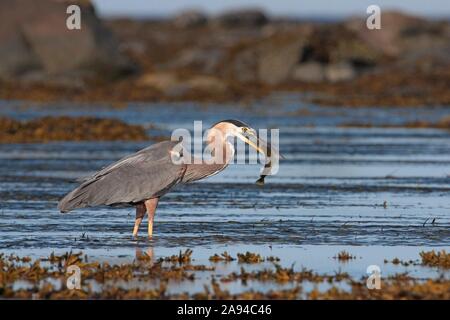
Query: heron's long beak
[261, 146]
[259, 142]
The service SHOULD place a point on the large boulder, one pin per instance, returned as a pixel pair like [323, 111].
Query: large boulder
[270, 60]
[35, 43]
[190, 19]
[242, 65]
[411, 41]
[241, 18]
[309, 54]
[343, 71]
[202, 60]
[309, 72]
[335, 44]
[318, 72]
[395, 26]
[277, 59]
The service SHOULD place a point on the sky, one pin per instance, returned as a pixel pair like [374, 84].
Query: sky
[294, 8]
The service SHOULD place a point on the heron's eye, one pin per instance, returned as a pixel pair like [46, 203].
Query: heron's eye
[244, 129]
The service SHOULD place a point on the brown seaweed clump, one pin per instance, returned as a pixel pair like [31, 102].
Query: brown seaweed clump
[344, 256]
[283, 275]
[397, 261]
[443, 124]
[217, 293]
[181, 258]
[249, 257]
[398, 288]
[65, 128]
[439, 259]
[43, 276]
[223, 257]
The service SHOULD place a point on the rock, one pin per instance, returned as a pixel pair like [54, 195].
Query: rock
[270, 61]
[393, 27]
[34, 38]
[190, 19]
[277, 59]
[198, 59]
[340, 72]
[15, 55]
[318, 72]
[241, 18]
[309, 72]
[412, 42]
[335, 44]
[426, 49]
[165, 82]
[243, 66]
[207, 83]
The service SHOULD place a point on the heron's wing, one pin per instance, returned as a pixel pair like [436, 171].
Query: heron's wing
[143, 175]
[154, 152]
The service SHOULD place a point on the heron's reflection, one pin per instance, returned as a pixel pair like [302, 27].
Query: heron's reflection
[145, 256]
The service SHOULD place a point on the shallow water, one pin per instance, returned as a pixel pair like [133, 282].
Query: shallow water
[375, 191]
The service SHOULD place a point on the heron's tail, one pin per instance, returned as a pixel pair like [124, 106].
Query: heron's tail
[73, 200]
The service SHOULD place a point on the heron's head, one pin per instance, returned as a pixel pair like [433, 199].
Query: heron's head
[222, 130]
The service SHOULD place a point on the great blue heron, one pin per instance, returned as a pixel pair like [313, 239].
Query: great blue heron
[142, 178]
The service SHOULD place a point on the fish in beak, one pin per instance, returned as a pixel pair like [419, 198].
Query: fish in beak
[249, 136]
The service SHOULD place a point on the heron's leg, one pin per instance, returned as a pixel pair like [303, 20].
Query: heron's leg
[151, 205]
[140, 213]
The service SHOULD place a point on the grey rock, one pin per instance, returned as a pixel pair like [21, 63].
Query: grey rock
[340, 72]
[394, 26]
[270, 61]
[190, 19]
[277, 60]
[309, 72]
[412, 43]
[16, 57]
[199, 59]
[241, 18]
[317, 72]
[34, 38]
[243, 67]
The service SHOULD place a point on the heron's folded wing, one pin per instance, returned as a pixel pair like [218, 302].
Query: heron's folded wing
[154, 152]
[145, 174]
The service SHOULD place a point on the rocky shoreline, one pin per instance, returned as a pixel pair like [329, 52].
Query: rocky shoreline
[235, 56]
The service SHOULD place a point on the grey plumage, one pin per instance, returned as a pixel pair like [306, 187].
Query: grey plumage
[146, 174]
[143, 177]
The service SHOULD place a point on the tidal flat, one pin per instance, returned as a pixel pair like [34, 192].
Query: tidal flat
[378, 193]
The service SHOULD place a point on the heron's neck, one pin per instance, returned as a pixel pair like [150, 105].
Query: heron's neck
[226, 154]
